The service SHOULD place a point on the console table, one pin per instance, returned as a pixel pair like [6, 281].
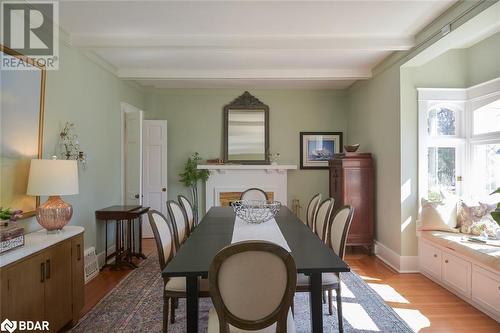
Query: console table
[124, 217]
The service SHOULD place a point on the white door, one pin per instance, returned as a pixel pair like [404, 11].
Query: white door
[132, 155]
[154, 169]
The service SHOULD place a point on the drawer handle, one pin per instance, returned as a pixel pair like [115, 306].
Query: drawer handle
[47, 269]
[78, 252]
[435, 255]
[446, 261]
[42, 271]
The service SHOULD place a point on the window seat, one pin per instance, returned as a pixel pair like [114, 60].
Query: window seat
[487, 255]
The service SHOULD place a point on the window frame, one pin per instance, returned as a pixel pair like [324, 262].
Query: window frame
[464, 102]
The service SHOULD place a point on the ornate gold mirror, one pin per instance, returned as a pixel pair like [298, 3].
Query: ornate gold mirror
[22, 97]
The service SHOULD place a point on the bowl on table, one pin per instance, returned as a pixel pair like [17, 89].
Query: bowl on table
[256, 211]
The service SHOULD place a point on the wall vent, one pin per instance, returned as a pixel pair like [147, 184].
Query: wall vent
[91, 265]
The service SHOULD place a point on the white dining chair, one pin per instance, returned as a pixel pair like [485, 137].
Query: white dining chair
[337, 239]
[252, 285]
[312, 210]
[323, 217]
[188, 210]
[180, 223]
[254, 194]
[173, 288]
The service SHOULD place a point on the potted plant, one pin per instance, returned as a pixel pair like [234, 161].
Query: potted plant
[7, 215]
[190, 178]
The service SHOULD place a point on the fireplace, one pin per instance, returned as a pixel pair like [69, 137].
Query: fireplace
[227, 182]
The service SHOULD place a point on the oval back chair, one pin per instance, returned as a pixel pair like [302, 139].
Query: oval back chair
[178, 216]
[254, 194]
[312, 210]
[252, 284]
[323, 217]
[188, 210]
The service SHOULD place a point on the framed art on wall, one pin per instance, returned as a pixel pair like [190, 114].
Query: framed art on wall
[316, 148]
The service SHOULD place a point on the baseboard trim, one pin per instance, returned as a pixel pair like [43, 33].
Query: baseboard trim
[100, 256]
[401, 264]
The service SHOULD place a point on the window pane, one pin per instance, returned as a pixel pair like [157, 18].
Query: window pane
[487, 118]
[486, 166]
[441, 121]
[442, 171]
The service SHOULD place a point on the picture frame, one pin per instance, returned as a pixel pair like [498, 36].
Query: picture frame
[317, 148]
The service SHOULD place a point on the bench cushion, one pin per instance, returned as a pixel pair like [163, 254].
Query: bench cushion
[488, 255]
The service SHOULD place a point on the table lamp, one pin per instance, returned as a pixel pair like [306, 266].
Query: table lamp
[53, 178]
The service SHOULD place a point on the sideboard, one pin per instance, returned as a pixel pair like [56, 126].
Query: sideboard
[44, 279]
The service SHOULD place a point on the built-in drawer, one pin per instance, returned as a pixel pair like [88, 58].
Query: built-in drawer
[486, 288]
[456, 273]
[430, 259]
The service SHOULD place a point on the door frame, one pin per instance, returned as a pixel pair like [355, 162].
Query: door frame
[126, 108]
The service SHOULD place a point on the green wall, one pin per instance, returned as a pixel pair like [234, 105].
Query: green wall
[195, 124]
[88, 95]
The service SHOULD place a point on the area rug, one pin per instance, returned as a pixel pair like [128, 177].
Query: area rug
[135, 305]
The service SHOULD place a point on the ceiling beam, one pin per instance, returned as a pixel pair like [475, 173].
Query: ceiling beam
[332, 42]
[296, 74]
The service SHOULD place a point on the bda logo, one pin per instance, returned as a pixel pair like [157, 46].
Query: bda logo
[8, 325]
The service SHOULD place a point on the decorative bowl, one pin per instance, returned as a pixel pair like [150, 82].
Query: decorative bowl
[351, 148]
[256, 211]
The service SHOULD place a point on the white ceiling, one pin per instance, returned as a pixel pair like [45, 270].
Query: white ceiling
[247, 44]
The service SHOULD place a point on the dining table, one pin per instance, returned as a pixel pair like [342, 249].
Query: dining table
[215, 231]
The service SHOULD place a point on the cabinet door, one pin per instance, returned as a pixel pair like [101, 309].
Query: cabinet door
[430, 260]
[486, 288]
[23, 290]
[58, 291]
[78, 276]
[457, 273]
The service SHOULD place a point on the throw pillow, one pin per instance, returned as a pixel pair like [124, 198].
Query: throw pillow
[468, 215]
[440, 216]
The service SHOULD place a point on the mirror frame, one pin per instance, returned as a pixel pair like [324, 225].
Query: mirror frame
[246, 102]
[41, 113]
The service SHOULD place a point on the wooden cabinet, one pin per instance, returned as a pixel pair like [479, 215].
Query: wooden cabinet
[46, 285]
[352, 183]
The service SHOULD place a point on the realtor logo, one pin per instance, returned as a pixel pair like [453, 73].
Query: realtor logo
[8, 325]
[31, 29]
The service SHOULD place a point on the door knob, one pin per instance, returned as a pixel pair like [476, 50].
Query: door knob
[136, 196]
[164, 189]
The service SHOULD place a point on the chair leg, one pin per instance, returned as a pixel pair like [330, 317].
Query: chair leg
[172, 310]
[330, 300]
[339, 309]
[293, 307]
[324, 297]
[165, 314]
[176, 303]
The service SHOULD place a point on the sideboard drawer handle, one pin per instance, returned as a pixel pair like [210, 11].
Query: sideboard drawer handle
[446, 261]
[47, 269]
[42, 272]
[79, 252]
[435, 255]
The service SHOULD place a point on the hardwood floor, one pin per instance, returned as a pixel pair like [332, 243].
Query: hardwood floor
[420, 302]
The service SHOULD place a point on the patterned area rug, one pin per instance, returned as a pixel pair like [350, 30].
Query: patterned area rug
[135, 305]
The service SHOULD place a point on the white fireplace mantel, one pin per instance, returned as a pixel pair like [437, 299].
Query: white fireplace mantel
[239, 177]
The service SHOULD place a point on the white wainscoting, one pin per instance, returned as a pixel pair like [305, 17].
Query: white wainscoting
[401, 264]
[237, 178]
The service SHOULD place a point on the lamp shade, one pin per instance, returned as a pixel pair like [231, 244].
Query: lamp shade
[53, 177]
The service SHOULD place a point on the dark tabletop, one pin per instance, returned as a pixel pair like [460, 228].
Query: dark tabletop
[120, 212]
[216, 231]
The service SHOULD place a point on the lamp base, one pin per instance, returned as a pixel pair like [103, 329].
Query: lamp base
[54, 214]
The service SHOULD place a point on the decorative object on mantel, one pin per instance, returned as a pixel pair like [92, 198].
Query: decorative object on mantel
[70, 146]
[317, 148]
[53, 178]
[11, 237]
[7, 215]
[351, 148]
[215, 161]
[256, 211]
[190, 178]
[246, 131]
[274, 158]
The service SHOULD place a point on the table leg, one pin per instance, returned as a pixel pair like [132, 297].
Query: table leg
[105, 244]
[316, 301]
[192, 304]
[140, 237]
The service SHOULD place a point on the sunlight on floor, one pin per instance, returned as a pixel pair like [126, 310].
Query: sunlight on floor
[388, 293]
[357, 317]
[346, 292]
[367, 278]
[414, 318]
